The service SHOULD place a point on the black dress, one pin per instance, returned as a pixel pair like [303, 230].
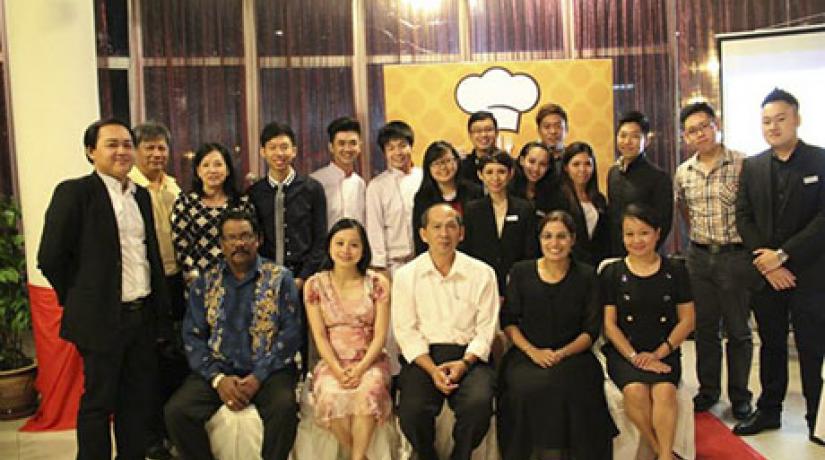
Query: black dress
[563, 406]
[646, 314]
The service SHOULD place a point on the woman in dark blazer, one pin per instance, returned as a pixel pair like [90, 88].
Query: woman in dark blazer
[499, 229]
[579, 195]
[441, 184]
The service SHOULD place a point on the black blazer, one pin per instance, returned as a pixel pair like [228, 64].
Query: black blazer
[590, 250]
[465, 192]
[80, 256]
[518, 236]
[799, 229]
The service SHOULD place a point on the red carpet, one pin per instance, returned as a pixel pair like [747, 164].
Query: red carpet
[714, 441]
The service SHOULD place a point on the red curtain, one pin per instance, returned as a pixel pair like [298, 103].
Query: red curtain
[59, 367]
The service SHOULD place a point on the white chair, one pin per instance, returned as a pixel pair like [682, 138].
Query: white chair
[236, 435]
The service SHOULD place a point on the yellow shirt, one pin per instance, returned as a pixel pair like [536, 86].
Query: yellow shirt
[162, 202]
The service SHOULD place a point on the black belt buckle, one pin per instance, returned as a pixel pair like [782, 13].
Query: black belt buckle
[718, 248]
[133, 305]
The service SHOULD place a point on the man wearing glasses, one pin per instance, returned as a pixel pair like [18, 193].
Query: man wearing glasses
[483, 129]
[241, 331]
[705, 188]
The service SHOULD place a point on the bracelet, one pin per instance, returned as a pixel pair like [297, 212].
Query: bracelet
[216, 380]
[632, 355]
[670, 345]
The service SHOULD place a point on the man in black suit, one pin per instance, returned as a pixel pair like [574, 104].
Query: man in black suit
[100, 253]
[780, 214]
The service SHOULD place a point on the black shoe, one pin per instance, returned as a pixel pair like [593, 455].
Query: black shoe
[816, 440]
[703, 402]
[158, 452]
[756, 423]
[741, 409]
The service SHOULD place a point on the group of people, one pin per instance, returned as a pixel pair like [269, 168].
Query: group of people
[180, 303]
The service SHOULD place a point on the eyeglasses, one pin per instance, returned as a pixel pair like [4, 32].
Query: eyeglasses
[444, 162]
[486, 129]
[694, 130]
[242, 238]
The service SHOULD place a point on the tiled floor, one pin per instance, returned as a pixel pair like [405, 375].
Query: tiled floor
[790, 442]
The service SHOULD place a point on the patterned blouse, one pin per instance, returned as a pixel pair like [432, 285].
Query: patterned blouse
[195, 231]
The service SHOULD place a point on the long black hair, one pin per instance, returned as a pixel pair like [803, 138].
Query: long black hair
[435, 151]
[229, 187]
[366, 253]
[518, 185]
[591, 188]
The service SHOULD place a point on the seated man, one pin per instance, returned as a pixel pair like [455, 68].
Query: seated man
[444, 313]
[241, 331]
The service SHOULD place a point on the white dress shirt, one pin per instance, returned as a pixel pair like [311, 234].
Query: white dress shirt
[460, 308]
[345, 194]
[135, 282]
[389, 215]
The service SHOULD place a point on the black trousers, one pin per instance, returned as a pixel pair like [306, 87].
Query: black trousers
[118, 382]
[172, 365]
[421, 402]
[805, 307]
[721, 299]
[196, 401]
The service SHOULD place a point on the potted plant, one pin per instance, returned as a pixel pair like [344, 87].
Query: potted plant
[17, 371]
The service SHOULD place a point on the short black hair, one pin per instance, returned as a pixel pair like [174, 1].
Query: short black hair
[150, 131]
[343, 124]
[92, 131]
[366, 253]
[634, 116]
[498, 157]
[781, 95]
[559, 216]
[275, 129]
[393, 130]
[642, 212]
[238, 214]
[696, 107]
[229, 186]
[550, 109]
[425, 216]
[479, 116]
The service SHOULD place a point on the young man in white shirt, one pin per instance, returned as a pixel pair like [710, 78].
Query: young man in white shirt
[345, 190]
[445, 310]
[390, 200]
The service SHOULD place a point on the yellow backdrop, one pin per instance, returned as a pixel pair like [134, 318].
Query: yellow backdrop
[427, 97]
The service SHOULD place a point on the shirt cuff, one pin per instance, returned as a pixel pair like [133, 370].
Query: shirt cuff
[479, 348]
[415, 351]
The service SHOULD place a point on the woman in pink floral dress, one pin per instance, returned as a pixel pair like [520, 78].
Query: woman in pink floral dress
[348, 312]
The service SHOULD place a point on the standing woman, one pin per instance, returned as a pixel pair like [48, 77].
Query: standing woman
[500, 229]
[348, 312]
[441, 185]
[532, 181]
[552, 403]
[579, 195]
[648, 313]
[197, 214]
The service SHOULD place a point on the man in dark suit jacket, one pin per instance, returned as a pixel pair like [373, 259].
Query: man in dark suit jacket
[780, 214]
[100, 253]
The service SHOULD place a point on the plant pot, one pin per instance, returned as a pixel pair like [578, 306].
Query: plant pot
[18, 398]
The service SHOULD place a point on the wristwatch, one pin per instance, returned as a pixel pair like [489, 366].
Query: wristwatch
[783, 256]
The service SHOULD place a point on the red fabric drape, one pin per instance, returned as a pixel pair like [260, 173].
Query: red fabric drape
[59, 367]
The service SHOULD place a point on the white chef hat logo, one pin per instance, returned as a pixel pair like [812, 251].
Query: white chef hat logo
[506, 95]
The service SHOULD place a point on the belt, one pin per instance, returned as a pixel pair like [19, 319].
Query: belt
[718, 248]
[133, 305]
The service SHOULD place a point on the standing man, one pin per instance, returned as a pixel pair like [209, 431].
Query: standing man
[551, 123]
[633, 179]
[705, 190]
[390, 199]
[100, 253]
[149, 171]
[780, 213]
[483, 129]
[344, 188]
[241, 330]
[445, 310]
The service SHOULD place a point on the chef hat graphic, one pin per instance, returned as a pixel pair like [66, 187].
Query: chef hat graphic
[506, 95]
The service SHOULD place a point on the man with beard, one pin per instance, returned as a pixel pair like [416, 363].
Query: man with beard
[241, 331]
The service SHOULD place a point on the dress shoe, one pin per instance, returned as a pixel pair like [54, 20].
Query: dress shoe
[703, 402]
[756, 423]
[158, 452]
[741, 409]
[816, 440]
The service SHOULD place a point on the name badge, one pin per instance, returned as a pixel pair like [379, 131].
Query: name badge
[810, 180]
[511, 218]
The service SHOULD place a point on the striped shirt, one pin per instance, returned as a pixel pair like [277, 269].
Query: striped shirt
[710, 197]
